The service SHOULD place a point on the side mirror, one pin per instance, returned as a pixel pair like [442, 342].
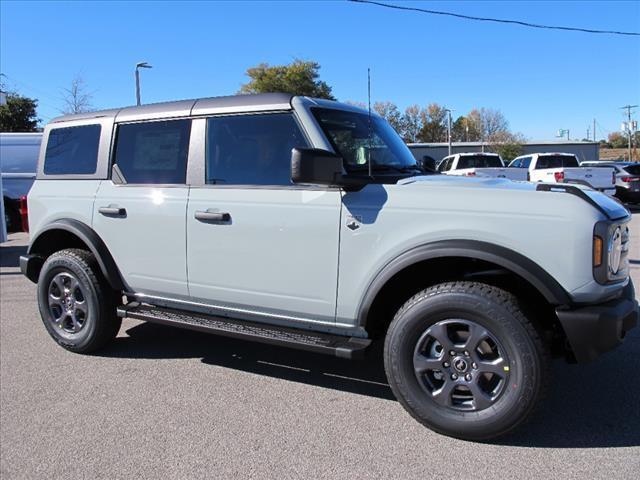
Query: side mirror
[428, 164]
[312, 165]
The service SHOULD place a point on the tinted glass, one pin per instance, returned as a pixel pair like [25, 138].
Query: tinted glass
[358, 136]
[516, 163]
[72, 150]
[526, 162]
[153, 152]
[17, 156]
[479, 161]
[251, 149]
[556, 161]
[633, 169]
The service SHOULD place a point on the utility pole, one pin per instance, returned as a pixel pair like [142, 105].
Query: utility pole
[588, 131]
[629, 129]
[449, 127]
[594, 130]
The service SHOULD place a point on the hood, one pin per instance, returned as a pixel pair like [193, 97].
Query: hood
[607, 205]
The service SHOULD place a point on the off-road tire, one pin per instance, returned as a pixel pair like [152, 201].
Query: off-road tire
[495, 311]
[100, 324]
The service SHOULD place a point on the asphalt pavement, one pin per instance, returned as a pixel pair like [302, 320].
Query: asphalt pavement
[167, 403]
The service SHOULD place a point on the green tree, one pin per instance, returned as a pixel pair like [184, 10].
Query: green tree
[298, 78]
[459, 129]
[18, 114]
[434, 124]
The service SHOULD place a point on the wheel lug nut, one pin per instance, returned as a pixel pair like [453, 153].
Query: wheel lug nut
[454, 377]
[466, 353]
[452, 353]
[467, 377]
[474, 365]
[445, 364]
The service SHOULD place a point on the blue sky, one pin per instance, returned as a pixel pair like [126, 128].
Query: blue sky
[542, 80]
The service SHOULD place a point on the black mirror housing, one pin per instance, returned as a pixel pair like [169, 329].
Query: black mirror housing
[428, 164]
[313, 165]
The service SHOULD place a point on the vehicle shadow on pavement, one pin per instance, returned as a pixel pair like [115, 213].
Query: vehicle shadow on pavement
[588, 406]
[148, 340]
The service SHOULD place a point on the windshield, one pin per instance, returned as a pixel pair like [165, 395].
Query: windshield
[356, 136]
[479, 161]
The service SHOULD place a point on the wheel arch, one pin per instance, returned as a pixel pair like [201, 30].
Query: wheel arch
[440, 254]
[70, 233]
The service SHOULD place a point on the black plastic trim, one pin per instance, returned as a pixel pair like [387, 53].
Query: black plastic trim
[91, 239]
[508, 259]
[595, 329]
[573, 190]
[30, 266]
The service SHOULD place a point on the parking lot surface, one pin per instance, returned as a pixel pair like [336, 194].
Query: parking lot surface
[168, 403]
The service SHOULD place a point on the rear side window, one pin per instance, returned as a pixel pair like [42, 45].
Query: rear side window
[632, 169]
[251, 149]
[153, 152]
[557, 161]
[72, 150]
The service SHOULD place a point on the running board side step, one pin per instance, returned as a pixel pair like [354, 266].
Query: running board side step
[339, 346]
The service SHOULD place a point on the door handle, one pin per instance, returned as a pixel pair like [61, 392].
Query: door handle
[207, 216]
[112, 211]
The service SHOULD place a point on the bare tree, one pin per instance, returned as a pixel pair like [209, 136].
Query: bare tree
[412, 124]
[485, 123]
[389, 111]
[76, 98]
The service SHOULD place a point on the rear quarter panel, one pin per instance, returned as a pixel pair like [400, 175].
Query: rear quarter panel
[51, 200]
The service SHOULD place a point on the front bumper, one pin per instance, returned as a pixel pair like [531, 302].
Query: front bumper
[595, 329]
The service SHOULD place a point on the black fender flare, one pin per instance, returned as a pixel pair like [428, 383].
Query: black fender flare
[510, 260]
[91, 239]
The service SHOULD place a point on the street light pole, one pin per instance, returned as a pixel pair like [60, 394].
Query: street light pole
[449, 128]
[138, 67]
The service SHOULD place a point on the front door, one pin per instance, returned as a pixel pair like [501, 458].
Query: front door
[258, 246]
[140, 211]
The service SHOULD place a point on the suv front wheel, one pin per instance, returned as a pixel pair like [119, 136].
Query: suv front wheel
[463, 359]
[76, 304]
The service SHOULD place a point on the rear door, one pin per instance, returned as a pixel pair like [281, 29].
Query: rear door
[260, 247]
[140, 211]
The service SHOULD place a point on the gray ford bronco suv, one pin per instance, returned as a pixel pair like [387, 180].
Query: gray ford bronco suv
[308, 223]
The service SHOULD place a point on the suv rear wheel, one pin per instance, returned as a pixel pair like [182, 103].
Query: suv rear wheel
[76, 304]
[463, 359]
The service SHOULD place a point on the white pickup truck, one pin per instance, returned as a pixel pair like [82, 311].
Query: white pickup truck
[564, 168]
[478, 164]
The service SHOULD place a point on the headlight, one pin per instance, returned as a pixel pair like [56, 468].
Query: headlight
[615, 251]
[610, 251]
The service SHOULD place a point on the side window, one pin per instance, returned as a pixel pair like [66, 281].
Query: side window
[449, 164]
[72, 150]
[517, 163]
[445, 164]
[153, 152]
[251, 149]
